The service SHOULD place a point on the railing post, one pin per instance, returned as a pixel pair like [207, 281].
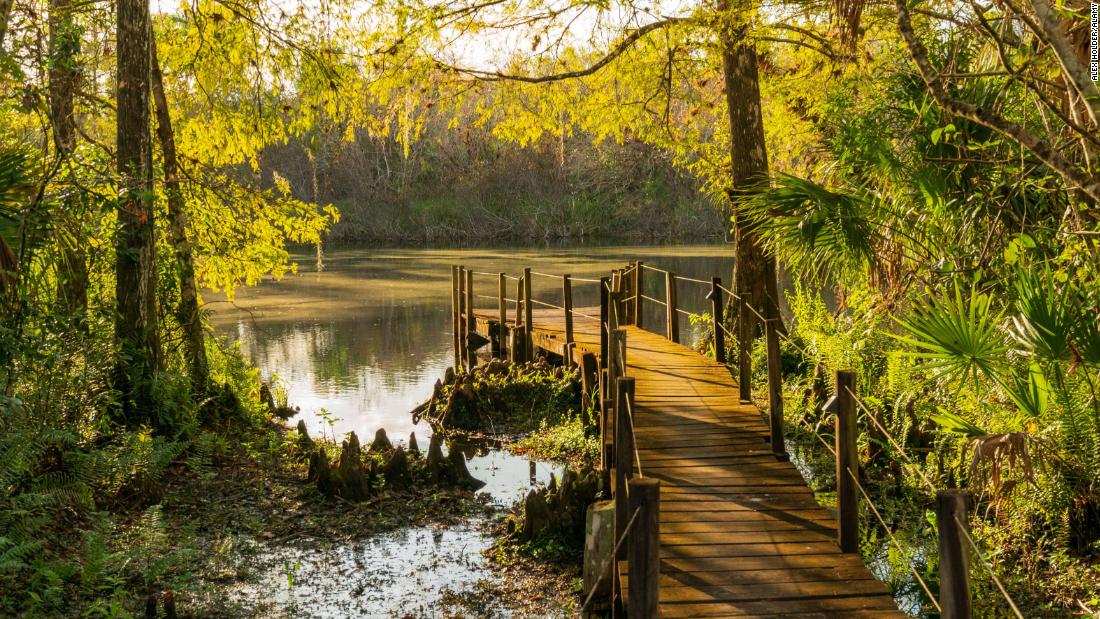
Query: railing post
[528, 323]
[589, 373]
[952, 516]
[716, 308]
[775, 390]
[639, 285]
[644, 555]
[744, 347]
[502, 311]
[519, 302]
[607, 434]
[613, 332]
[672, 319]
[605, 291]
[624, 455]
[471, 322]
[455, 317]
[462, 324]
[847, 463]
[567, 301]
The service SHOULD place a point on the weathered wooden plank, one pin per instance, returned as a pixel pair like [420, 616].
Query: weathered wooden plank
[883, 606]
[771, 591]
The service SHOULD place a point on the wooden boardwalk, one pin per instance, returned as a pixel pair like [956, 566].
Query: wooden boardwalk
[741, 534]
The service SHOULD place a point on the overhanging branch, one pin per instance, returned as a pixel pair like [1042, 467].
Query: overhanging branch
[626, 43]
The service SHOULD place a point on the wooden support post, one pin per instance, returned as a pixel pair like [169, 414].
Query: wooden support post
[528, 323]
[639, 289]
[495, 344]
[456, 315]
[613, 332]
[952, 517]
[471, 324]
[517, 347]
[644, 554]
[462, 324]
[519, 302]
[775, 391]
[847, 463]
[624, 455]
[567, 301]
[607, 435]
[605, 291]
[744, 348]
[589, 390]
[716, 309]
[502, 313]
[672, 318]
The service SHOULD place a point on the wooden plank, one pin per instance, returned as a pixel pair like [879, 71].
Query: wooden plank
[771, 591]
[884, 605]
[673, 577]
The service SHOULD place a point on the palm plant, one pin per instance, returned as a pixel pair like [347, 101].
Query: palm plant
[1039, 351]
[16, 187]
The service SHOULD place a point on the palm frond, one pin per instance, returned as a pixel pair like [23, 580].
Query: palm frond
[958, 335]
[814, 229]
[1045, 316]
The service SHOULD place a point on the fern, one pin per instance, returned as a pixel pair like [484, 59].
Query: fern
[14, 554]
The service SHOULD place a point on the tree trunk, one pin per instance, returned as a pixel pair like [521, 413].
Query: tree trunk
[5, 17]
[316, 200]
[64, 46]
[136, 337]
[754, 271]
[187, 311]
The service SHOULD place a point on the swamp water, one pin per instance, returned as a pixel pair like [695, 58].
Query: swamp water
[358, 346]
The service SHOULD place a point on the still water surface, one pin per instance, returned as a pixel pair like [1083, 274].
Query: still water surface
[362, 342]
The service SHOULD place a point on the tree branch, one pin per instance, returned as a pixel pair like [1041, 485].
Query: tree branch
[618, 50]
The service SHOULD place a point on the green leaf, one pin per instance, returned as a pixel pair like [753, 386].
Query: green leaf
[1025, 241]
[1030, 391]
[954, 423]
[958, 335]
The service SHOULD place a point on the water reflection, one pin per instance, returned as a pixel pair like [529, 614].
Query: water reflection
[360, 344]
[401, 574]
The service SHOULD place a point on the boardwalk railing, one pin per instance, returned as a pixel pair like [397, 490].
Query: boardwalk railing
[623, 295]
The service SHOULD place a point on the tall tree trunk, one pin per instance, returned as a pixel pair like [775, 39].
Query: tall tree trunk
[64, 46]
[316, 200]
[5, 17]
[187, 311]
[754, 271]
[136, 337]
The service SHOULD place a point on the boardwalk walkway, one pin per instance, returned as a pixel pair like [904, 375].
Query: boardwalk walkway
[740, 532]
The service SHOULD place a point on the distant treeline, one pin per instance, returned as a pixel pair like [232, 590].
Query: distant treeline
[468, 185]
